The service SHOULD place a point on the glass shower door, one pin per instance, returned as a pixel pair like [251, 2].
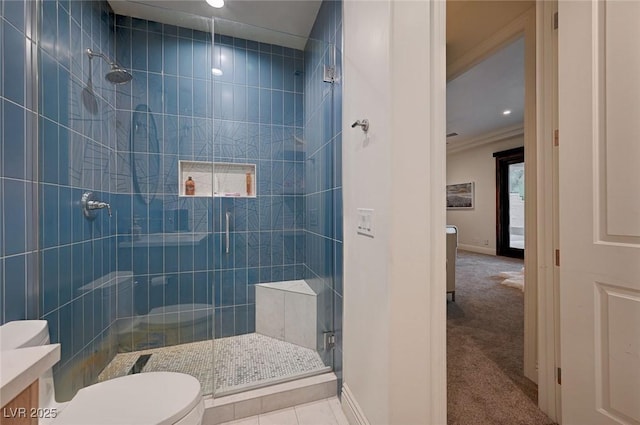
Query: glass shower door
[274, 285]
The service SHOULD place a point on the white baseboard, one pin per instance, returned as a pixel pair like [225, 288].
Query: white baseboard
[478, 249]
[351, 408]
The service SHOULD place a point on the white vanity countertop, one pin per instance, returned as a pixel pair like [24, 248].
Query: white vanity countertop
[21, 367]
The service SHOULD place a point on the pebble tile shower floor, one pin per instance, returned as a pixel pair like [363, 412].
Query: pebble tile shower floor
[239, 361]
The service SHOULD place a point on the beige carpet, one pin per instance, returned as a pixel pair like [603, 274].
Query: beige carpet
[485, 347]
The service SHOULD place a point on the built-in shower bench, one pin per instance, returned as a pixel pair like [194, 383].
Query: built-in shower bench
[287, 311]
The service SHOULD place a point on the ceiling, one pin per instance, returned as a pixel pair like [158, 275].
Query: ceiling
[469, 22]
[282, 22]
[476, 99]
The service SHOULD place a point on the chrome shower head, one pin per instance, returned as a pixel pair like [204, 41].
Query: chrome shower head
[117, 74]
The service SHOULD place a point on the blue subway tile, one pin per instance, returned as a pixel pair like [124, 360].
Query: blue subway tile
[139, 24]
[277, 107]
[240, 66]
[123, 21]
[154, 51]
[201, 68]
[199, 99]
[277, 72]
[227, 318]
[65, 288]
[186, 289]
[49, 26]
[170, 55]
[185, 56]
[253, 68]
[265, 70]
[49, 277]
[277, 249]
[289, 74]
[155, 92]
[14, 141]
[241, 320]
[14, 13]
[64, 37]
[15, 287]
[14, 216]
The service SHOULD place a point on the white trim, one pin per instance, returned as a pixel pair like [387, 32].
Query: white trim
[351, 408]
[547, 223]
[531, 205]
[438, 166]
[485, 139]
[478, 249]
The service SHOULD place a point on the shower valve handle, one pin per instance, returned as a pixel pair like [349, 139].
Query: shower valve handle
[90, 205]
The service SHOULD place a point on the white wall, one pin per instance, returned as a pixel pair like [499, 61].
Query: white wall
[394, 292]
[477, 227]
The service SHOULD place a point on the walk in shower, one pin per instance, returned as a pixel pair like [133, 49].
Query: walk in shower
[237, 281]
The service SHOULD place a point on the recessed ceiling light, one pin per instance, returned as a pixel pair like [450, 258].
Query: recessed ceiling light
[216, 3]
[216, 72]
[506, 112]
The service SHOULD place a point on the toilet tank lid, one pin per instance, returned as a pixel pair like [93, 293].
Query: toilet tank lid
[149, 398]
[23, 333]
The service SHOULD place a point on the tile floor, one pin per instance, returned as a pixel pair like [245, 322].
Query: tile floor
[240, 362]
[323, 412]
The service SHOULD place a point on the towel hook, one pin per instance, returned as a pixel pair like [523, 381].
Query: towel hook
[364, 124]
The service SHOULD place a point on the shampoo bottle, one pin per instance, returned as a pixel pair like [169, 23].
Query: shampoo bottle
[190, 187]
[249, 184]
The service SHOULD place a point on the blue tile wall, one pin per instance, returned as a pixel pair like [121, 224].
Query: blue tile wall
[76, 154]
[269, 108]
[323, 174]
[164, 116]
[18, 178]
[250, 114]
[255, 104]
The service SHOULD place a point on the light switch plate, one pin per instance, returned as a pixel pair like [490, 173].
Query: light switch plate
[365, 222]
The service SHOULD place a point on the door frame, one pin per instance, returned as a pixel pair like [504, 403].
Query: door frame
[503, 160]
[542, 335]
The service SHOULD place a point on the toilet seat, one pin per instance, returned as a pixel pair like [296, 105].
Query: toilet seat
[151, 398]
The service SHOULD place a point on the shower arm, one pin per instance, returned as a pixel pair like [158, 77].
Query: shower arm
[92, 54]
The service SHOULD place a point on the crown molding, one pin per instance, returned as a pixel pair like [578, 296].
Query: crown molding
[485, 139]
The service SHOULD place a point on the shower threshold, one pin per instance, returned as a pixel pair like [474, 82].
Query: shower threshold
[228, 366]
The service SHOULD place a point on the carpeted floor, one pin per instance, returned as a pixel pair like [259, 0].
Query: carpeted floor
[485, 333]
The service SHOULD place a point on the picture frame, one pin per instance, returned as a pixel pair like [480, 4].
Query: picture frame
[461, 196]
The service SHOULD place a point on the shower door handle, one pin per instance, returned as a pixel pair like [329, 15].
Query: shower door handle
[226, 235]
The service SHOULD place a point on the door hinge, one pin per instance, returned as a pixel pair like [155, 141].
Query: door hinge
[556, 137]
[557, 258]
[329, 74]
[329, 340]
[555, 21]
[559, 375]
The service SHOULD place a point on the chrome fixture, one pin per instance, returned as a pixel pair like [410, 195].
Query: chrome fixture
[90, 205]
[364, 124]
[117, 74]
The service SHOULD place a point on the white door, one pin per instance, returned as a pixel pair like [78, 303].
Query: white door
[599, 122]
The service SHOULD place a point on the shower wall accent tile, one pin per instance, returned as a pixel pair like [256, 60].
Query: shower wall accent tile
[257, 108]
[75, 150]
[18, 176]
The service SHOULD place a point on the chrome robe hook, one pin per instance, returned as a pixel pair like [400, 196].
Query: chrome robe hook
[364, 124]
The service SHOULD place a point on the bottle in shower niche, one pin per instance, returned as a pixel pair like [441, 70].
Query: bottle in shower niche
[249, 183]
[190, 187]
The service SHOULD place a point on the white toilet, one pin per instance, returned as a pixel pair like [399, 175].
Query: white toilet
[153, 398]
